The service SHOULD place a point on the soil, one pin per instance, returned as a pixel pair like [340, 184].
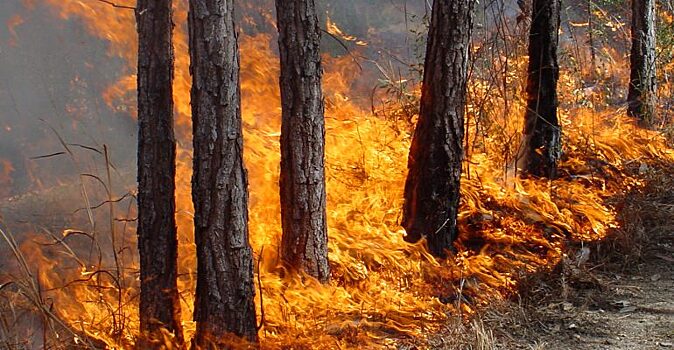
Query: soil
[618, 309]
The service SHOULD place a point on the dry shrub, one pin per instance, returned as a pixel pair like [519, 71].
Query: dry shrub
[464, 335]
[645, 214]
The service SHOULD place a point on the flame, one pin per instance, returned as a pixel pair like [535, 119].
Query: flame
[382, 288]
[6, 170]
[336, 31]
[12, 24]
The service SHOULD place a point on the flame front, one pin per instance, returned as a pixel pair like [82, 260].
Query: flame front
[382, 288]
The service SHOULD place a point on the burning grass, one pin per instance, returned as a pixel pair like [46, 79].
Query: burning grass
[603, 288]
[383, 291]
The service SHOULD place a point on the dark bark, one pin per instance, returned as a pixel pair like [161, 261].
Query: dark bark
[305, 239]
[224, 305]
[157, 236]
[590, 32]
[541, 144]
[432, 186]
[642, 61]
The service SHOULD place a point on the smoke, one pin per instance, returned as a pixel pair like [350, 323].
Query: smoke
[52, 75]
[55, 118]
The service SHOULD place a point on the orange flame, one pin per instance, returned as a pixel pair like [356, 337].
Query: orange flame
[12, 24]
[382, 288]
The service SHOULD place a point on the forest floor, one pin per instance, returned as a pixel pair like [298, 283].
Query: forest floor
[622, 297]
[601, 308]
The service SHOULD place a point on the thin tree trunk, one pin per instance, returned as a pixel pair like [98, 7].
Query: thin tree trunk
[224, 304]
[157, 236]
[642, 61]
[305, 239]
[541, 144]
[432, 186]
[590, 31]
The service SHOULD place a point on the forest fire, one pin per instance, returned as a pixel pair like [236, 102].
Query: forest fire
[383, 290]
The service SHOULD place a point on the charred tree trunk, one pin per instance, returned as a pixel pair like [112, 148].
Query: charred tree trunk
[642, 61]
[224, 305]
[157, 236]
[304, 243]
[541, 144]
[432, 186]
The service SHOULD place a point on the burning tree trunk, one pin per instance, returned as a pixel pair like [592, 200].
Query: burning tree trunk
[157, 236]
[642, 60]
[305, 238]
[541, 144]
[224, 304]
[432, 186]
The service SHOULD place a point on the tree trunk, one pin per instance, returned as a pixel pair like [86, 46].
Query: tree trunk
[642, 61]
[305, 239]
[157, 236]
[590, 32]
[224, 304]
[541, 144]
[432, 186]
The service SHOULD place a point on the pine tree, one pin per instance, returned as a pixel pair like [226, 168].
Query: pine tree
[224, 305]
[157, 236]
[642, 61]
[541, 144]
[432, 186]
[304, 243]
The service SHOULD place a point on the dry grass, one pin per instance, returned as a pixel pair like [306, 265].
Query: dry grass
[551, 301]
[30, 315]
[462, 334]
[27, 317]
[644, 211]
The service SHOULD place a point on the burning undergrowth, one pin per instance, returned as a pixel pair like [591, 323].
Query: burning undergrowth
[81, 285]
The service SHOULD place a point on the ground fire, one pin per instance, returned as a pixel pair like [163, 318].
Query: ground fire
[336, 234]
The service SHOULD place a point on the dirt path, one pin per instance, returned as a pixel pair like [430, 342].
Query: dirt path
[590, 308]
[596, 306]
[635, 310]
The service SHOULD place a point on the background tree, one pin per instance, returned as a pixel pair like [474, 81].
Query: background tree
[432, 186]
[157, 236]
[305, 239]
[541, 144]
[642, 60]
[224, 304]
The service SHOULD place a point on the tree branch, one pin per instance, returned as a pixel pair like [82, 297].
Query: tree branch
[117, 5]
